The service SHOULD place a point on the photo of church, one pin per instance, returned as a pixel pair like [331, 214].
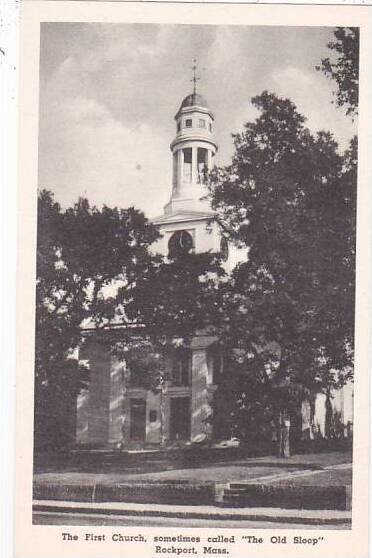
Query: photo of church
[114, 412]
[180, 411]
[195, 273]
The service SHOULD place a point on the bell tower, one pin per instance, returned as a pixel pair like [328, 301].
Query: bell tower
[193, 149]
[187, 223]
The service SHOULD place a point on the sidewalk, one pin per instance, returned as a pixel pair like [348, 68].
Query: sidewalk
[306, 517]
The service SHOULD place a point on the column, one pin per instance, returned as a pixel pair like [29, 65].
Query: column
[82, 417]
[194, 167]
[209, 159]
[179, 171]
[165, 416]
[125, 421]
[116, 401]
[174, 172]
[200, 407]
[99, 393]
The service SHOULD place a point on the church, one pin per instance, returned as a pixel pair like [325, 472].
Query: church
[115, 412]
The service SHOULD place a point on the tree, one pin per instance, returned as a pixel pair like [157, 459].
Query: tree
[85, 257]
[344, 69]
[94, 267]
[181, 296]
[287, 196]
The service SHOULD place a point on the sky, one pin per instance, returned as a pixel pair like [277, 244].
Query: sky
[109, 93]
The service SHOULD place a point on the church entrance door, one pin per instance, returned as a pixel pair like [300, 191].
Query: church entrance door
[180, 418]
[137, 419]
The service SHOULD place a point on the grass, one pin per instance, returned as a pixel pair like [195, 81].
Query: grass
[324, 478]
[192, 468]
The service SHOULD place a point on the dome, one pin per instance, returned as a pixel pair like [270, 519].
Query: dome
[194, 100]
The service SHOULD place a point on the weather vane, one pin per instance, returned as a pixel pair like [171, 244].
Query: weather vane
[195, 78]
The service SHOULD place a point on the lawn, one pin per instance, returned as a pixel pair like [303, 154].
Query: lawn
[324, 478]
[193, 468]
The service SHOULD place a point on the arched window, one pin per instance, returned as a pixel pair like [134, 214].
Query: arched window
[180, 243]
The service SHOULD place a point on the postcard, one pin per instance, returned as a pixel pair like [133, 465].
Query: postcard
[193, 314]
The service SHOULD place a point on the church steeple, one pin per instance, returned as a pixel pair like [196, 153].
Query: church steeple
[188, 223]
[193, 149]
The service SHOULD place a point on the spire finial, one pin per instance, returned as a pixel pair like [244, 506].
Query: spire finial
[195, 78]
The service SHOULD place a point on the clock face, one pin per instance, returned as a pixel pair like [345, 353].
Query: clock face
[180, 243]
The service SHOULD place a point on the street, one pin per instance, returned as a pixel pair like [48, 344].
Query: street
[54, 518]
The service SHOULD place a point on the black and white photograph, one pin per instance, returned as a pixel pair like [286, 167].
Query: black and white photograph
[193, 281]
[195, 275]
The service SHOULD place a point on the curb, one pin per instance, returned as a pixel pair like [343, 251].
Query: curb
[234, 494]
[191, 514]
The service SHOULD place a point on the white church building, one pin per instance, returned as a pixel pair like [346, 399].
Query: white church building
[114, 411]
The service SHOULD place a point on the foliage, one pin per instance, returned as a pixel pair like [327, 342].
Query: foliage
[344, 69]
[81, 253]
[175, 298]
[180, 296]
[94, 269]
[289, 196]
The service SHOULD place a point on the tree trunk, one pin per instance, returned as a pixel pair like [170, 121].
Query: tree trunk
[328, 417]
[283, 435]
[162, 412]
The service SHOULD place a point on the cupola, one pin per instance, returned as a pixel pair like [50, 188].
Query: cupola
[193, 149]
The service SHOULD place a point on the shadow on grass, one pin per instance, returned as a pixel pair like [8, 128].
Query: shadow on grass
[138, 464]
